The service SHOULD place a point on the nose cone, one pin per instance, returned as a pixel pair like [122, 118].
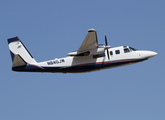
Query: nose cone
[149, 54]
[152, 54]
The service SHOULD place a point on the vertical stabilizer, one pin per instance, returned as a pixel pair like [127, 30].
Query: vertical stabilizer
[19, 54]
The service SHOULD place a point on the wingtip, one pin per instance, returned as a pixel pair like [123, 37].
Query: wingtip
[91, 30]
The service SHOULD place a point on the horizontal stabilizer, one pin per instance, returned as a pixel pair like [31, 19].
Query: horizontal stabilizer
[18, 61]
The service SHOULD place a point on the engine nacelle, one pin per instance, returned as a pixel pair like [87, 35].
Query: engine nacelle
[97, 51]
[87, 53]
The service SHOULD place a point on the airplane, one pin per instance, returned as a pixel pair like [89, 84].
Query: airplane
[91, 56]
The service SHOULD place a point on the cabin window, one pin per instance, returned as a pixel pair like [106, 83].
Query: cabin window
[111, 53]
[126, 50]
[117, 51]
[99, 55]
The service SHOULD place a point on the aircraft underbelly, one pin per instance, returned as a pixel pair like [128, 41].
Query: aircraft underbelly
[99, 66]
[78, 68]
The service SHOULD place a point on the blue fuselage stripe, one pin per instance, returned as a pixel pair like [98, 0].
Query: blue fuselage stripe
[78, 68]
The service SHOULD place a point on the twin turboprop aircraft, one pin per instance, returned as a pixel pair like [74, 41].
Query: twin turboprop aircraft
[89, 57]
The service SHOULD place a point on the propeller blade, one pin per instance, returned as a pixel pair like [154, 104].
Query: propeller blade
[106, 45]
[108, 53]
[106, 40]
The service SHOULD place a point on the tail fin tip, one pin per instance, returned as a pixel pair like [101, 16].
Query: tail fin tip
[13, 39]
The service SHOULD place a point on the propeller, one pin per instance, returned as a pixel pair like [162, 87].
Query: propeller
[106, 45]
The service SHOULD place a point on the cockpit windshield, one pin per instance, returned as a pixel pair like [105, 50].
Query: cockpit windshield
[132, 49]
[128, 49]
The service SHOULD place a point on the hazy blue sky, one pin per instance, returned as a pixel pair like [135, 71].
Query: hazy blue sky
[51, 29]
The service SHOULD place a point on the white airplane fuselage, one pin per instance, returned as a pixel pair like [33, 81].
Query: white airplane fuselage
[89, 57]
[118, 57]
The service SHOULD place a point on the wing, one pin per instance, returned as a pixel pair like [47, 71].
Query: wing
[90, 41]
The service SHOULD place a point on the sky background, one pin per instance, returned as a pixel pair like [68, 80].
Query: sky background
[52, 28]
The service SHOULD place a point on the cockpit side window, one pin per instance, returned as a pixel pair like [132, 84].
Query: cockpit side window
[126, 50]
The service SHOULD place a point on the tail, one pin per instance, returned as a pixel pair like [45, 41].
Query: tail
[19, 54]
